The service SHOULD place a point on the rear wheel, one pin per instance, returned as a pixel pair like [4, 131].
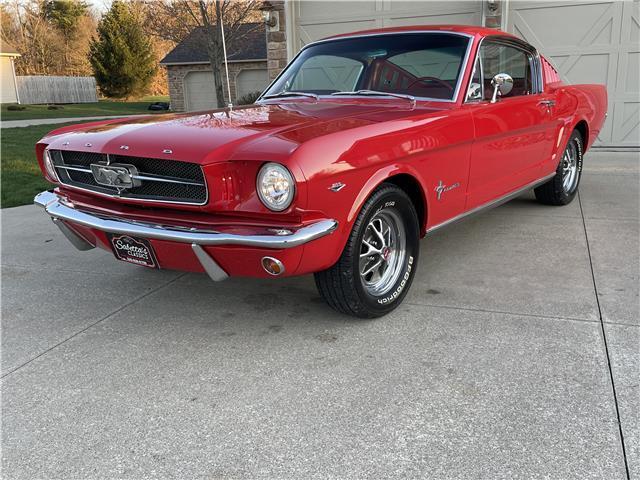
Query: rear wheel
[378, 263]
[561, 189]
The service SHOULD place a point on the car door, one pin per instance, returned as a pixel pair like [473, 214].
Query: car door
[513, 135]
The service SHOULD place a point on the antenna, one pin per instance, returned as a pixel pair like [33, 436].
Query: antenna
[226, 65]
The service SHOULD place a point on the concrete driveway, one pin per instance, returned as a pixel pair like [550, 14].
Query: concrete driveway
[515, 355]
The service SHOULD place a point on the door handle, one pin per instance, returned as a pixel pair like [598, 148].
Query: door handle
[547, 103]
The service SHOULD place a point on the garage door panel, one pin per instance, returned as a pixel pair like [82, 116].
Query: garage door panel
[555, 21]
[250, 81]
[633, 67]
[314, 20]
[465, 18]
[593, 68]
[590, 42]
[629, 128]
[329, 11]
[199, 91]
[632, 34]
[417, 9]
[312, 32]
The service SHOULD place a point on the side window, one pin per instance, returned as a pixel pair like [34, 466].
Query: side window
[497, 58]
[327, 73]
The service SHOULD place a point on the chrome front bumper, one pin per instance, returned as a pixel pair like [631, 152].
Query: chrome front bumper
[62, 211]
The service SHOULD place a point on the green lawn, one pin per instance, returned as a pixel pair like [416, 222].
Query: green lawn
[103, 107]
[21, 177]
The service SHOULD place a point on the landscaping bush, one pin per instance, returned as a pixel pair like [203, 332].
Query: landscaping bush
[16, 108]
[248, 99]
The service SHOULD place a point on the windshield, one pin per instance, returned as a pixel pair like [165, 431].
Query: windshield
[423, 65]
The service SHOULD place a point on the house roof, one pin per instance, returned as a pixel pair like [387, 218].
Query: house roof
[250, 43]
[7, 50]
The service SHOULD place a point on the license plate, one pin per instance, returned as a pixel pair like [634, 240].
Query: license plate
[133, 250]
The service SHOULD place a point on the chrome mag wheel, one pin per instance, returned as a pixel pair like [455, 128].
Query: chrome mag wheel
[382, 252]
[570, 167]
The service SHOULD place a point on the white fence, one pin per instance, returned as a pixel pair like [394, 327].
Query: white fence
[42, 89]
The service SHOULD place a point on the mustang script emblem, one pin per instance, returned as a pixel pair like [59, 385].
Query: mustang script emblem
[117, 175]
[442, 188]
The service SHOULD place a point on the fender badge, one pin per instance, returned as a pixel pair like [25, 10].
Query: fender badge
[336, 187]
[442, 188]
[166, 150]
[124, 147]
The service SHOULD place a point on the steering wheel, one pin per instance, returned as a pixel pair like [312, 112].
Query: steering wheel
[430, 79]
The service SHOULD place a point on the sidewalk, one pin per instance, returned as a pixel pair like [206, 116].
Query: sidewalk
[48, 121]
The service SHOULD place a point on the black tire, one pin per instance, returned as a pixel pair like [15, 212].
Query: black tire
[342, 287]
[555, 191]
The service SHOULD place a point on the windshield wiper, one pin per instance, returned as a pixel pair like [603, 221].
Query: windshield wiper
[292, 94]
[376, 93]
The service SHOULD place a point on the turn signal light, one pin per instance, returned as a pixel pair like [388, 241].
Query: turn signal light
[272, 266]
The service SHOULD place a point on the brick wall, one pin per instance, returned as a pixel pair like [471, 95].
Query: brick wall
[177, 73]
[277, 41]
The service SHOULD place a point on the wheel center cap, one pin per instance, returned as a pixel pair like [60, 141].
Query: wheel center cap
[386, 251]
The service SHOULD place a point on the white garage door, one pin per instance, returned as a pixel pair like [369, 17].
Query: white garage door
[250, 81]
[199, 91]
[591, 42]
[314, 20]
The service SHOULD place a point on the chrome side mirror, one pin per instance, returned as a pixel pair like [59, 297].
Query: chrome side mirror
[502, 84]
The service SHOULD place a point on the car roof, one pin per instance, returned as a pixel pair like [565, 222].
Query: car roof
[468, 29]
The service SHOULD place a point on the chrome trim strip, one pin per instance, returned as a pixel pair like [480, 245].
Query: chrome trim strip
[165, 180]
[215, 271]
[56, 207]
[410, 32]
[133, 200]
[491, 204]
[379, 34]
[74, 169]
[536, 67]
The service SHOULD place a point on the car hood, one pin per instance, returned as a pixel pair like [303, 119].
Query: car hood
[208, 137]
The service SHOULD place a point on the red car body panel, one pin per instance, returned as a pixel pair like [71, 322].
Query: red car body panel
[485, 150]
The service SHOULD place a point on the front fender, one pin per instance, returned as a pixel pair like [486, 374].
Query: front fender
[345, 205]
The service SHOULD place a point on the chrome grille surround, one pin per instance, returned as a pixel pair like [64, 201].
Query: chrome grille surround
[158, 180]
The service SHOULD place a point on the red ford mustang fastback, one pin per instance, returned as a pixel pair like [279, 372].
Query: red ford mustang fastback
[365, 143]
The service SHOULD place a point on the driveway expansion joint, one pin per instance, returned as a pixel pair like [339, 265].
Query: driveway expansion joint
[502, 312]
[604, 338]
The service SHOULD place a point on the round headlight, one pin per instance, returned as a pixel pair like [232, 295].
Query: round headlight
[49, 167]
[275, 186]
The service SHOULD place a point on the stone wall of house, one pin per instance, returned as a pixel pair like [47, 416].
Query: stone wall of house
[177, 73]
[277, 40]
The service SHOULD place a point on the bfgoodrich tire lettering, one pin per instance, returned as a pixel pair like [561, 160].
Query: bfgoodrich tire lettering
[379, 261]
[562, 188]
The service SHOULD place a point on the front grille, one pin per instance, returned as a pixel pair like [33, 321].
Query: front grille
[161, 180]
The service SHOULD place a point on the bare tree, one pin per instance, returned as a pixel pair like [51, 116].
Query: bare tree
[44, 49]
[175, 19]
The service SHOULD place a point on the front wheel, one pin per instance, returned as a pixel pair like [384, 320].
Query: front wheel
[379, 261]
[561, 189]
